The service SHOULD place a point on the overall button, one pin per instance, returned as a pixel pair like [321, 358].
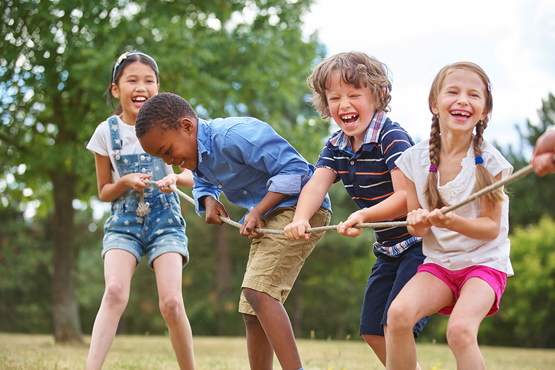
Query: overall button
[143, 170]
[142, 157]
[352, 163]
[219, 186]
[244, 192]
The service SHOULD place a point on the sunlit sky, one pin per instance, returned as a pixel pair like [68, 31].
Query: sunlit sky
[512, 40]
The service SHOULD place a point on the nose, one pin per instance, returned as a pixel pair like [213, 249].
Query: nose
[167, 160]
[345, 102]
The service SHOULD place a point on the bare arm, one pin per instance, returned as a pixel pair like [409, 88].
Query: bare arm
[417, 217]
[254, 218]
[391, 208]
[109, 191]
[310, 200]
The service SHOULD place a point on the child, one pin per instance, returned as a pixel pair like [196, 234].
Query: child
[354, 89]
[543, 160]
[144, 220]
[256, 169]
[467, 250]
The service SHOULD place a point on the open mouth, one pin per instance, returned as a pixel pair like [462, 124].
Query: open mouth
[348, 119]
[459, 113]
[139, 100]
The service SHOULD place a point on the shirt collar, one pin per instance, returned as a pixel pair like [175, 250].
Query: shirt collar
[340, 140]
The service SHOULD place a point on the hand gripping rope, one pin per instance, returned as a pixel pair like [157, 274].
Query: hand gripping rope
[374, 225]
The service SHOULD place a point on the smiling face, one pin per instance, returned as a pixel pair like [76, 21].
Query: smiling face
[461, 102]
[136, 84]
[175, 147]
[351, 108]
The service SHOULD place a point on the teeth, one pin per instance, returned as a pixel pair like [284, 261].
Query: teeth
[349, 117]
[462, 113]
[182, 163]
[139, 98]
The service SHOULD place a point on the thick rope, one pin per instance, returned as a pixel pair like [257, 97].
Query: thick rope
[374, 225]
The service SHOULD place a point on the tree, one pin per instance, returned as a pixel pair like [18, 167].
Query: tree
[527, 207]
[242, 57]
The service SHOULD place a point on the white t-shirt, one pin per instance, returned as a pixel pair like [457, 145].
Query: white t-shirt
[101, 143]
[447, 248]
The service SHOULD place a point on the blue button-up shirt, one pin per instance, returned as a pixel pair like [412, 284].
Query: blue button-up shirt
[245, 158]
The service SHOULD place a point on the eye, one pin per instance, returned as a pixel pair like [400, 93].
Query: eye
[167, 152]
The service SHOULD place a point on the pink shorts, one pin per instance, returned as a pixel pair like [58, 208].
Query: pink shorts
[456, 279]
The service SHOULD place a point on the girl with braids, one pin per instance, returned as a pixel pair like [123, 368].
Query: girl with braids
[467, 250]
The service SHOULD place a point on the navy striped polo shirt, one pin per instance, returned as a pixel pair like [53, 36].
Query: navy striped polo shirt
[366, 173]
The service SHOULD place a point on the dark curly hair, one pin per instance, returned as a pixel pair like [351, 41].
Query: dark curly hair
[165, 111]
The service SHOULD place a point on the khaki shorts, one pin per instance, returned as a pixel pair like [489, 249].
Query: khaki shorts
[275, 261]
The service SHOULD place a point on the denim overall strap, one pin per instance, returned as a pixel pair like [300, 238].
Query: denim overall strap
[114, 135]
[142, 208]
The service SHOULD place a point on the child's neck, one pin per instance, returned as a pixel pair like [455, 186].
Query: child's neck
[128, 120]
[453, 145]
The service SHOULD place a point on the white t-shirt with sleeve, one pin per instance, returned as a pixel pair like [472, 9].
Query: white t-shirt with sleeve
[447, 248]
[101, 143]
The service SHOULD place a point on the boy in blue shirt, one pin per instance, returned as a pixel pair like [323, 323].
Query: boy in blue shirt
[354, 89]
[258, 170]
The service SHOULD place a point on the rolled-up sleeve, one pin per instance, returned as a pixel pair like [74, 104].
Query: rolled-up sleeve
[259, 146]
[203, 189]
[285, 184]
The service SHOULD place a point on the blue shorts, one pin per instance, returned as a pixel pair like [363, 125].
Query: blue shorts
[389, 275]
[161, 231]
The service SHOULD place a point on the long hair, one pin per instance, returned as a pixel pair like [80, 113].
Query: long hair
[119, 66]
[483, 177]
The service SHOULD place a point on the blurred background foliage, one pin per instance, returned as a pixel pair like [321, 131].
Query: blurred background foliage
[240, 57]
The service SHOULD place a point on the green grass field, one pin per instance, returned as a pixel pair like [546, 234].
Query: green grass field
[26, 352]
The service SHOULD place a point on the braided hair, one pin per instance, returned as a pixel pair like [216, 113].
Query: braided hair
[483, 177]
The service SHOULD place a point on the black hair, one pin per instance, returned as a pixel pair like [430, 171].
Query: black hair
[164, 111]
[119, 66]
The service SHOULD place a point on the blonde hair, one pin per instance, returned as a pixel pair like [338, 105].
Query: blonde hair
[356, 69]
[483, 176]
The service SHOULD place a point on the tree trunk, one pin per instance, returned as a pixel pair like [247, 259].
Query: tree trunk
[223, 274]
[296, 315]
[67, 327]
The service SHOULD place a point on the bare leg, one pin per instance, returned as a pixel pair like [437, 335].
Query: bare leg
[423, 295]
[168, 269]
[261, 353]
[276, 325]
[474, 303]
[119, 266]
[377, 343]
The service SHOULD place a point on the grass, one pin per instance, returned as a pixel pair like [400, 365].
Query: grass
[30, 352]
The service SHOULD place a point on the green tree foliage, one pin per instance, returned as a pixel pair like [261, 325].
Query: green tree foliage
[241, 57]
[526, 314]
[531, 195]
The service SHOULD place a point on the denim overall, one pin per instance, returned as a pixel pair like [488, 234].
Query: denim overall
[162, 229]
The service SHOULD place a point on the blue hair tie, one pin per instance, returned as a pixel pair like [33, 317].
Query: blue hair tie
[478, 160]
[124, 56]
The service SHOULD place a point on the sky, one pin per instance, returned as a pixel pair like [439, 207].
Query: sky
[512, 40]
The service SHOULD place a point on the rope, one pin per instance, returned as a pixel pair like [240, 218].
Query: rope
[374, 225]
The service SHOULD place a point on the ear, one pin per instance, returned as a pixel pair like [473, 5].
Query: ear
[484, 114]
[434, 109]
[115, 91]
[187, 124]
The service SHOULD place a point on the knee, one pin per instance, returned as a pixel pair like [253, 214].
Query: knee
[116, 296]
[400, 317]
[253, 297]
[172, 309]
[460, 335]
[250, 320]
